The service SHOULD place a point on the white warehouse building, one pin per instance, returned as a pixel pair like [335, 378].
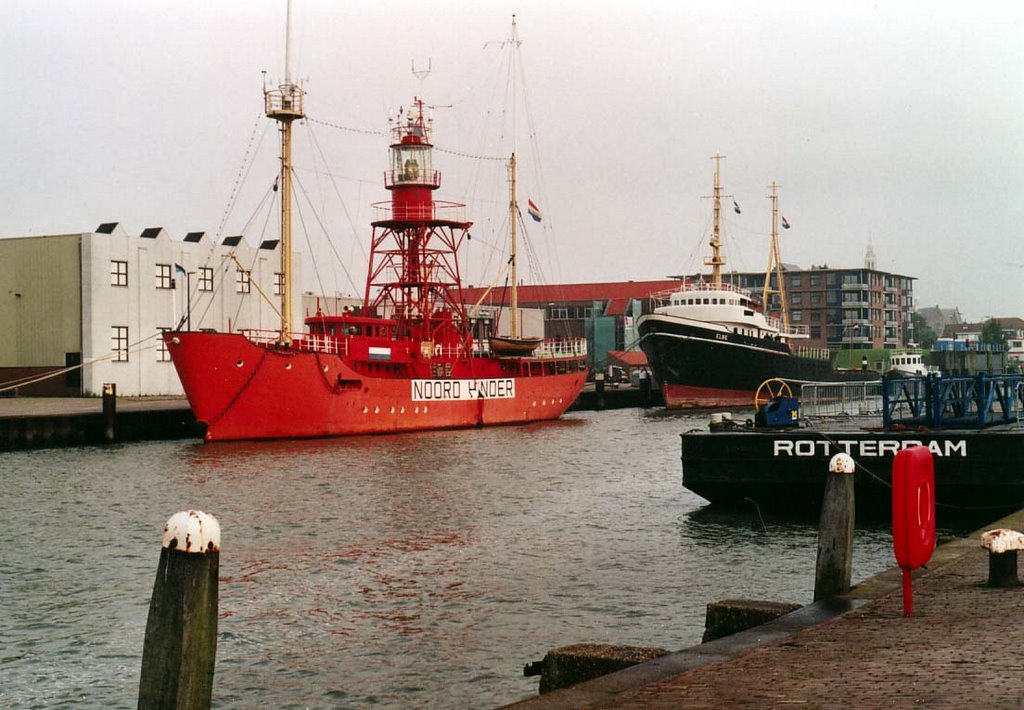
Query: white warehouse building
[93, 304]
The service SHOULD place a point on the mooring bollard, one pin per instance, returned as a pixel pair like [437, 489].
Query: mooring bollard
[1002, 546]
[110, 411]
[835, 530]
[181, 633]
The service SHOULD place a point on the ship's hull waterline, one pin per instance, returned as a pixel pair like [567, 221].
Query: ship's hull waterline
[240, 389]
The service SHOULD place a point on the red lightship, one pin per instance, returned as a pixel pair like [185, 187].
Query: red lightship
[406, 360]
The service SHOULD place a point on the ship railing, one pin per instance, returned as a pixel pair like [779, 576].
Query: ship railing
[562, 347]
[834, 399]
[664, 298]
[300, 342]
[449, 351]
[549, 349]
[813, 353]
[436, 210]
[790, 330]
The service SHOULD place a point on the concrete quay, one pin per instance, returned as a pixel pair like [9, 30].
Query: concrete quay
[959, 649]
[42, 422]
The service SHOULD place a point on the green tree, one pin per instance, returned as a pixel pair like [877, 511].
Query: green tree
[992, 332]
[923, 333]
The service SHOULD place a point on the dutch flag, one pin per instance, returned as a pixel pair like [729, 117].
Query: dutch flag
[533, 209]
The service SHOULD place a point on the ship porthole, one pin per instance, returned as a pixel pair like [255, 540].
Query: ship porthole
[424, 409]
[376, 410]
[365, 410]
[325, 368]
[533, 403]
[392, 410]
[416, 410]
[239, 363]
[287, 366]
[401, 410]
[175, 340]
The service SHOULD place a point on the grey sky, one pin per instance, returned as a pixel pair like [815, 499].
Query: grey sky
[894, 121]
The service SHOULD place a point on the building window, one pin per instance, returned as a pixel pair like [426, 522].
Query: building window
[162, 353]
[816, 297]
[798, 316]
[205, 278]
[163, 276]
[795, 280]
[797, 299]
[243, 281]
[119, 342]
[814, 279]
[278, 283]
[118, 273]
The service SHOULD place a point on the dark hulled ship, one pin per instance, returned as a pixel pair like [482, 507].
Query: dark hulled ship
[711, 344]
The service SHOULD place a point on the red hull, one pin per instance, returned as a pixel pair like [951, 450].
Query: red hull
[245, 390]
[685, 397]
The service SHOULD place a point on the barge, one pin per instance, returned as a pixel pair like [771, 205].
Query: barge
[971, 425]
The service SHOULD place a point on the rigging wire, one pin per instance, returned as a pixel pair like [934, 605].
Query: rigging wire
[330, 242]
[248, 160]
[348, 216]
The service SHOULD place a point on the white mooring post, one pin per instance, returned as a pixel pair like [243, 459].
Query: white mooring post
[835, 530]
[181, 633]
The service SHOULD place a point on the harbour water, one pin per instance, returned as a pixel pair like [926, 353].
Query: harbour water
[419, 570]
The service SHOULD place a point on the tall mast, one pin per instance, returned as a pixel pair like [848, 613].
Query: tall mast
[716, 260]
[775, 259]
[513, 206]
[513, 213]
[284, 105]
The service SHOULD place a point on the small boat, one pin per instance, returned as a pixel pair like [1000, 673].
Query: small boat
[909, 362]
[406, 359]
[507, 346]
[711, 344]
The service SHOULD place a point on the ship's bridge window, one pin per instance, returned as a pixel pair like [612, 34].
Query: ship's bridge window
[706, 301]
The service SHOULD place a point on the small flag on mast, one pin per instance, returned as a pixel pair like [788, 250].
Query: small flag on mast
[736, 207]
[785, 224]
[533, 209]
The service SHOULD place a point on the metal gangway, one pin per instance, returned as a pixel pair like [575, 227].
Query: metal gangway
[945, 401]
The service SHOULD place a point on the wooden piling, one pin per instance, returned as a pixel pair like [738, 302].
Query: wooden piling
[181, 633]
[835, 530]
[110, 411]
[599, 389]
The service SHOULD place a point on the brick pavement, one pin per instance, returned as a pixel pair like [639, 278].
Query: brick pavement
[959, 650]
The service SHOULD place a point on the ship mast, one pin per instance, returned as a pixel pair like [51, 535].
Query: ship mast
[513, 214]
[716, 260]
[775, 259]
[513, 206]
[284, 105]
